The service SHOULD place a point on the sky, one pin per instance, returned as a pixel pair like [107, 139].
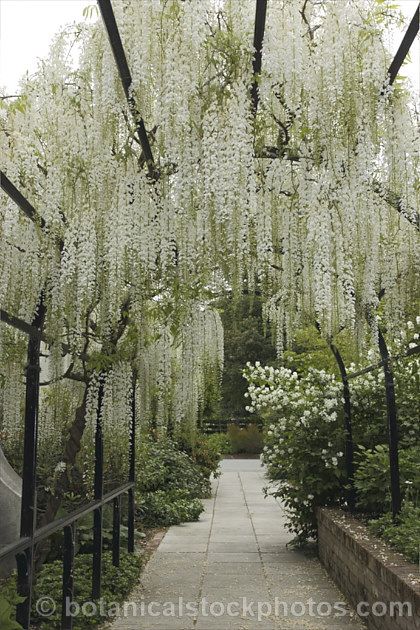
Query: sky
[26, 30]
[27, 27]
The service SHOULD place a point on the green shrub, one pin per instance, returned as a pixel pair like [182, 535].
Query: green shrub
[372, 477]
[8, 602]
[220, 443]
[252, 440]
[117, 583]
[84, 533]
[245, 440]
[171, 482]
[163, 466]
[166, 508]
[205, 455]
[403, 534]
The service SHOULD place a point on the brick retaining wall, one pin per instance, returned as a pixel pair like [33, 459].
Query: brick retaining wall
[366, 570]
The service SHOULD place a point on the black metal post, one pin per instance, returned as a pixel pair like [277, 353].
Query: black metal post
[98, 495]
[349, 444]
[403, 50]
[132, 471]
[108, 17]
[391, 407]
[116, 532]
[14, 194]
[68, 576]
[24, 563]
[28, 504]
[349, 448]
[260, 15]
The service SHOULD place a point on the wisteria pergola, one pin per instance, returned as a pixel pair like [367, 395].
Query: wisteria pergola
[30, 537]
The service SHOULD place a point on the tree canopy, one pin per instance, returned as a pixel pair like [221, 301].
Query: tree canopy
[311, 200]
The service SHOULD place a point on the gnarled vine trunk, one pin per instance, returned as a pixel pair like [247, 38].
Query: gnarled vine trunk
[72, 447]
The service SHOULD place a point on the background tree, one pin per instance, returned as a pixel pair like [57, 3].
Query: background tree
[246, 339]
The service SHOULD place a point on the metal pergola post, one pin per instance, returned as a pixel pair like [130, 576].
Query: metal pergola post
[25, 562]
[392, 414]
[260, 17]
[404, 48]
[98, 495]
[349, 444]
[116, 531]
[393, 437]
[108, 17]
[69, 535]
[348, 429]
[132, 471]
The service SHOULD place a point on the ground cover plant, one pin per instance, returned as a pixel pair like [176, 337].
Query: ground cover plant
[117, 583]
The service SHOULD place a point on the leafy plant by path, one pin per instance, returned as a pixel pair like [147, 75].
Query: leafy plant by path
[402, 534]
[117, 583]
[8, 602]
[168, 508]
[372, 477]
[220, 442]
[245, 439]
[171, 482]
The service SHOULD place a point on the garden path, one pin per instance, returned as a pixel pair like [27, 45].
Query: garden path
[237, 550]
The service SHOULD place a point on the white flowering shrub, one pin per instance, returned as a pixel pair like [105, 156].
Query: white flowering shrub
[304, 439]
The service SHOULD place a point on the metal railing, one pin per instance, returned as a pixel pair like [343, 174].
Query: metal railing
[24, 548]
[392, 418]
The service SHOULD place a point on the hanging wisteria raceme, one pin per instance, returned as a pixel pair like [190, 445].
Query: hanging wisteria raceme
[346, 242]
[312, 200]
[11, 402]
[173, 371]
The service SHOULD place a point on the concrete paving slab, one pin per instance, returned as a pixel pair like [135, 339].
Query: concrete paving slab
[184, 546]
[236, 553]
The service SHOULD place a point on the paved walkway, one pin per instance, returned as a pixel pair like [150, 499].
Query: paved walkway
[235, 556]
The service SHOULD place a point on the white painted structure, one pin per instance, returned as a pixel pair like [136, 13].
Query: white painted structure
[10, 498]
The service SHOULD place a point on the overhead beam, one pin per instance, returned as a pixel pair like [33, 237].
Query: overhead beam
[20, 324]
[405, 46]
[371, 368]
[108, 17]
[34, 332]
[260, 16]
[396, 202]
[27, 208]
[16, 196]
